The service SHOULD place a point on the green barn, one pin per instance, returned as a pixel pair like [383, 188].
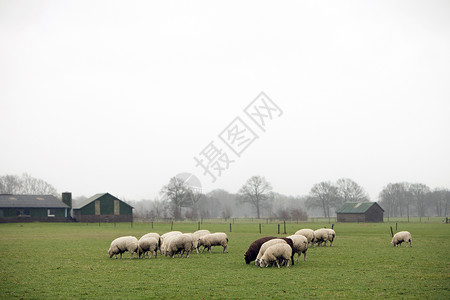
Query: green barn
[360, 212]
[31, 208]
[103, 208]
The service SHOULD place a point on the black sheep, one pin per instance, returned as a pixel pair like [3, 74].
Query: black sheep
[253, 250]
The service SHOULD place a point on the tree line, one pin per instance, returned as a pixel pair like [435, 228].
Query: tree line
[256, 198]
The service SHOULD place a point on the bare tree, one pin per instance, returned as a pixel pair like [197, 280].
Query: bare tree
[256, 191]
[393, 197]
[323, 195]
[350, 191]
[440, 198]
[419, 193]
[179, 195]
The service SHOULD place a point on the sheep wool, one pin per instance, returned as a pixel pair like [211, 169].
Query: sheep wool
[214, 239]
[308, 233]
[300, 243]
[322, 236]
[153, 234]
[179, 244]
[254, 247]
[148, 245]
[163, 239]
[266, 245]
[400, 237]
[275, 254]
[197, 235]
[123, 244]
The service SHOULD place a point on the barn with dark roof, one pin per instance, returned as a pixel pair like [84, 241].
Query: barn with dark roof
[103, 208]
[360, 212]
[30, 208]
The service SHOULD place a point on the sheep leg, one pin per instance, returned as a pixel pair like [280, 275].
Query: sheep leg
[287, 263]
[278, 264]
[304, 256]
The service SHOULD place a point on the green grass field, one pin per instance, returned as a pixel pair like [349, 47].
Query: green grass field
[69, 260]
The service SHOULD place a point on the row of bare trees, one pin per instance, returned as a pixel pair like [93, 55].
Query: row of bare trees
[25, 184]
[327, 195]
[406, 199]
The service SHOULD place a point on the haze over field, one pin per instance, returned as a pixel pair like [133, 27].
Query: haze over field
[119, 96]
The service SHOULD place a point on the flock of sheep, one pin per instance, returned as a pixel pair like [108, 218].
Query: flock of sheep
[169, 244]
[277, 251]
[264, 251]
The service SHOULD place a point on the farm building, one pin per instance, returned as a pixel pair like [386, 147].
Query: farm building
[103, 208]
[360, 212]
[30, 208]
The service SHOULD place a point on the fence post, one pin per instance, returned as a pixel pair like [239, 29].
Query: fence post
[230, 227]
[171, 226]
[259, 227]
[198, 225]
[152, 224]
[278, 228]
[284, 227]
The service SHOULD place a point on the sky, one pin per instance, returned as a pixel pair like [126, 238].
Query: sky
[120, 96]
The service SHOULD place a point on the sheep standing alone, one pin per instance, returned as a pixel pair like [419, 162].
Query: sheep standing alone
[197, 235]
[254, 247]
[148, 244]
[179, 244]
[308, 233]
[275, 254]
[213, 239]
[265, 246]
[400, 237]
[123, 244]
[300, 243]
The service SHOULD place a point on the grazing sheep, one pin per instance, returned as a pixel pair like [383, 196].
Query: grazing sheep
[275, 254]
[213, 239]
[266, 245]
[197, 235]
[331, 236]
[400, 237]
[253, 250]
[163, 239]
[123, 244]
[148, 245]
[300, 245]
[155, 235]
[308, 233]
[179, 244]
[322, 235]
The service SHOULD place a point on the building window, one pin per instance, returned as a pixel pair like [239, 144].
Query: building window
[22, 213]
[116, 207]
[1, 213]
[51, 212]
[97, 207]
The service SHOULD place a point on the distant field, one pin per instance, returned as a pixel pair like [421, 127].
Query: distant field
[69, 260]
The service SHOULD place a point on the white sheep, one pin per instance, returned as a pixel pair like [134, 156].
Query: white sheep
[179, 244]
[197, 235]
[153, 234]
[265, 246]
[123, 244]
[148, 244]
[300, 243]
[323, 235]
[331, 236]
[213, 239]
[165, 244]
[400, 237]
[308, 233]
[164, 237]
[275, 254]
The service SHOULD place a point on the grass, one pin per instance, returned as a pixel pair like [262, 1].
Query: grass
[69, 260]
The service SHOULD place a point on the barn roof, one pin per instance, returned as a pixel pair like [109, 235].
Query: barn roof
[93, 198]
[356, 207]
[30, 201]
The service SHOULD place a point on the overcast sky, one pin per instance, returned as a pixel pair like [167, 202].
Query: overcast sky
[120, 96]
